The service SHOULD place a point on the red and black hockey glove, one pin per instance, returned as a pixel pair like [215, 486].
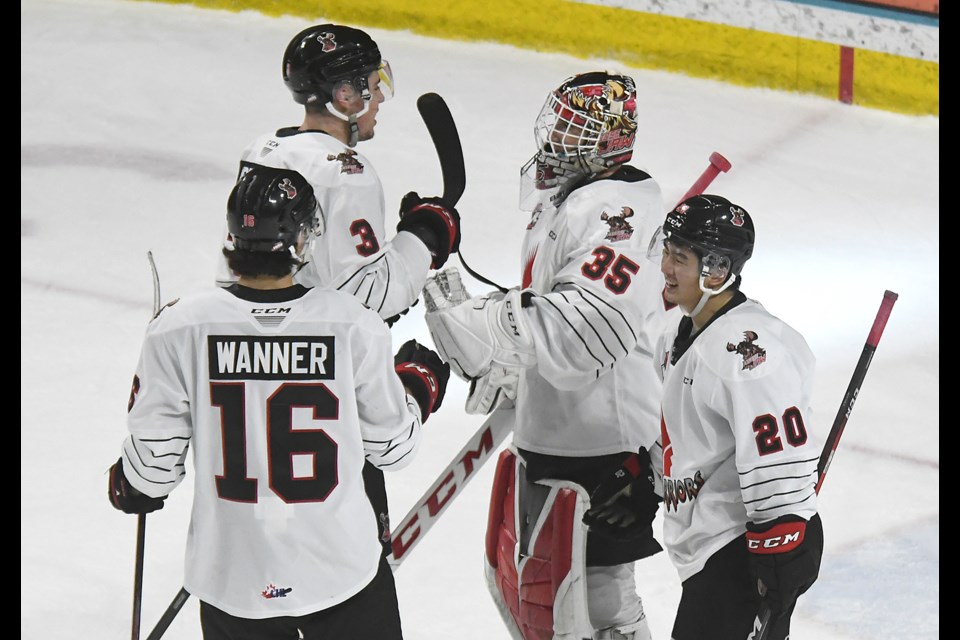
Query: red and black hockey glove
[435, 222]
[127, 499]
[424, 375]
[624, 504]
[785, 558]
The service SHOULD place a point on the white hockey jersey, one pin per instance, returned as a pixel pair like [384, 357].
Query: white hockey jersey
[353, 253]
[282, 395]
[735, 431]
[597, 312]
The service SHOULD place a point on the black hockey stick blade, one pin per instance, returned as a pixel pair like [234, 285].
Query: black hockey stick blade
[443, 130]
[178, 601]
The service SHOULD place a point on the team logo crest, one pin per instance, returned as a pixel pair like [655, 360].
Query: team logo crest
[327, 40]
[737, 219]
[287, 187]
[348, 161]
[753, 354]
[620, 229]
[273, 591]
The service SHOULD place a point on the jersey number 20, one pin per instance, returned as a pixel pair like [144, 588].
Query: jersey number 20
[768, 431]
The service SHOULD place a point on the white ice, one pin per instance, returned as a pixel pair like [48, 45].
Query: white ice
[132, 117]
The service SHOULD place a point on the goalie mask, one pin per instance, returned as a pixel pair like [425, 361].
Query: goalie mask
[585, 127]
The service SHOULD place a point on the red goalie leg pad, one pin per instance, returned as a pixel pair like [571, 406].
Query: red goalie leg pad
[501, 538]
[544, 572]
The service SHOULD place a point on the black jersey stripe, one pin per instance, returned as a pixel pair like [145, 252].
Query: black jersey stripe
[575, 332]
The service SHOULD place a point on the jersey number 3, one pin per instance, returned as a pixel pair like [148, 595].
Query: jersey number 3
[620, 269]
[368, 239]
[284, 443]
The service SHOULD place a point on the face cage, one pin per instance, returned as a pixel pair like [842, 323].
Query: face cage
[564, 132]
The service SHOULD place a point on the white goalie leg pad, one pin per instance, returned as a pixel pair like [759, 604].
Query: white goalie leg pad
[616, 610]
[488, 390]
[481, 333]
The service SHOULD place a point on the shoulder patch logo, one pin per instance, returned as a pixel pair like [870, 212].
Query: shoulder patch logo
[753, 354]
[620, 229]
[348, 161]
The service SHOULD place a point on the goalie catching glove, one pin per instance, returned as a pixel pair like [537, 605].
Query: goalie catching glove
[475, 334]
[423, 374]
[785, 558]
[435, 222]
[445, 290]
[624, 504]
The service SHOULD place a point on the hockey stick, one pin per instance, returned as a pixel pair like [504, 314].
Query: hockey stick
[142, 518]
[761, 625]
[451, 481]
[485, 441]
[443, 131]
[172, 610]
[717, 164]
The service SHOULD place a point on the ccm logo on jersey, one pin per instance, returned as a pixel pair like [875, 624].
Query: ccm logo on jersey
[271, 310]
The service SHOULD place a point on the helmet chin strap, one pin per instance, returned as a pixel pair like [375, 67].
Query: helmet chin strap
[708, 293]
[351, 121]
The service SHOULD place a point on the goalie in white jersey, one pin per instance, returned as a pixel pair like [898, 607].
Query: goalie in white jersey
[739, 462]
[340, 77]
[574, 345]
[283, 392]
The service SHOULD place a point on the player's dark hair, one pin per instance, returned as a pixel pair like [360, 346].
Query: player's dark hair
[253, 264]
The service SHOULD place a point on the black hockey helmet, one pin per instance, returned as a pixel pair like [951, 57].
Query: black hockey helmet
[321, 57]
[719, 232]
[269, 208]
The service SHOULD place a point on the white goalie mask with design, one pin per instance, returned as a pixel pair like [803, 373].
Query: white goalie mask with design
[586, 126]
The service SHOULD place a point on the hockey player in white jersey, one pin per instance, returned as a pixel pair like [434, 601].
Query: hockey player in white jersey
[577, 335]
[339, 76]
[739, 461]
[282, 392]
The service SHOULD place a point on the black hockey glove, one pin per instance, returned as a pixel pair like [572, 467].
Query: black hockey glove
[435, 222]
[424, 375]
[392, 320]
[127, 499]
[785, 558]
[624, 504]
